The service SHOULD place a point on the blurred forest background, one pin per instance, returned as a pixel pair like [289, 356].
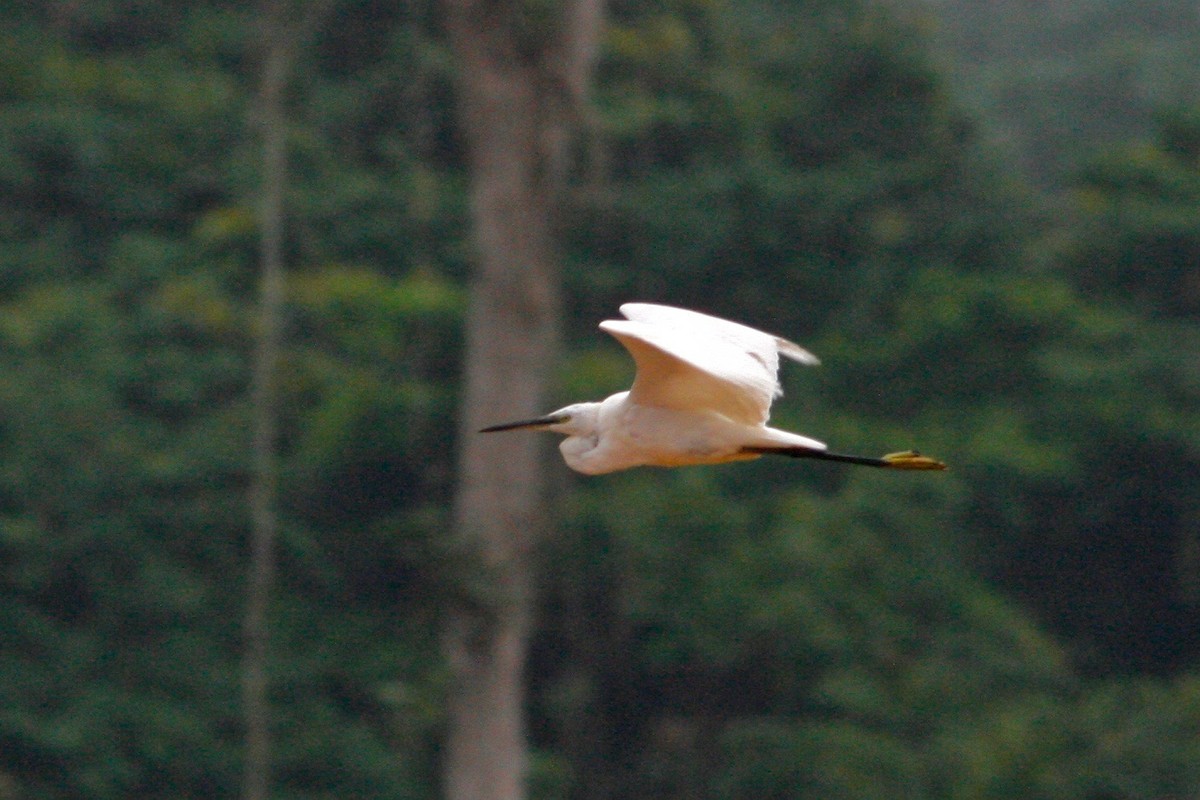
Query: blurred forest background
[984, 217]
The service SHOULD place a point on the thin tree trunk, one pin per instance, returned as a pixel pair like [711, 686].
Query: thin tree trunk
[281, 36]
[264, 488]
[518, 102]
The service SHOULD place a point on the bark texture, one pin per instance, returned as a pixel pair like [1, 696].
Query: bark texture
[522, 81]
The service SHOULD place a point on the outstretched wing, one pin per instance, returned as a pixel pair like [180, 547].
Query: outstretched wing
[690, 361]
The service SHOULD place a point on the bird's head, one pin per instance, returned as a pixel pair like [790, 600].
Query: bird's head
[573, 420]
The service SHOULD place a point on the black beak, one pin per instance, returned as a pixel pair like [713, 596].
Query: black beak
[540, 422]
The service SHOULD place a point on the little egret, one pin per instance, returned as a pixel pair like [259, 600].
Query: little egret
[702, 395]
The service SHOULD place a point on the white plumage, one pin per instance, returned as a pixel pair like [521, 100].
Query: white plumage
[686, 360]
[702, 395]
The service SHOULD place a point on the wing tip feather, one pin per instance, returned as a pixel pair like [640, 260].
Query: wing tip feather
[796, 353]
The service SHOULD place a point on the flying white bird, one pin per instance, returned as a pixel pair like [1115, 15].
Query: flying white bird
[702, 395]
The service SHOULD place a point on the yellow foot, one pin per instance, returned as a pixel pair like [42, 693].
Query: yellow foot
[911, 459]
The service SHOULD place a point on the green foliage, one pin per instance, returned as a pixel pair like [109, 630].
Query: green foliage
[127, 173]
[760, 630]
[828, 653]
[1121, 739]
[1142, 237]
[1065, 79]
[814, 165]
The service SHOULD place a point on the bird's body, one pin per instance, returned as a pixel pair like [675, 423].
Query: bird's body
[619, 433]
[702, 395]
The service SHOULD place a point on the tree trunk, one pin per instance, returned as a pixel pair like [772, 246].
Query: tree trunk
[264, 513]
[521, 90]
[283, 31]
